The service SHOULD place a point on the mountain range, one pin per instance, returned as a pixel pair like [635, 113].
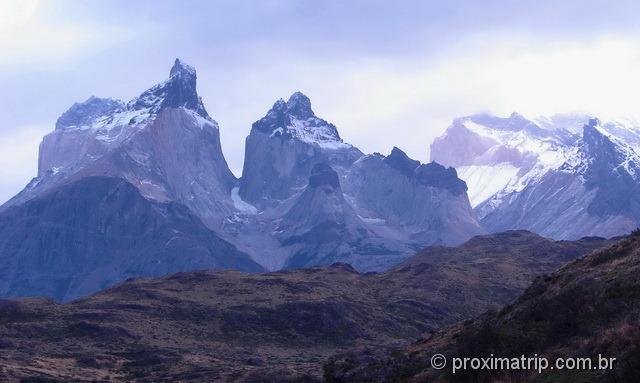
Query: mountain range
[151, 260]
[148, 177]
[142, 188]
[564, 177]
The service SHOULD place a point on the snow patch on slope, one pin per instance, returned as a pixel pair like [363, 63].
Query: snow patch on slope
[550, 151]
[483, 181]
[241, 205]
[199, 120]
[373, 221]
[321, 135]
[523, 152]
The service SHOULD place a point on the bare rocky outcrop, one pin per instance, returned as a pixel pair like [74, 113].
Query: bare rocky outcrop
[282, 213]
[283, 147]
[162, 141]
[98, 231]
[426, 201]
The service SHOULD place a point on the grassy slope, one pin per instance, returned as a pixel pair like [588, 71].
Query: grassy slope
[589, 307]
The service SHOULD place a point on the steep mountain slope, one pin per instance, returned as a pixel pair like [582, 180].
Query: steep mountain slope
[375, 213]
[505, 153]
[427, 202]
[382, 210]
[422, 204]
[231, 326]
[93, 233]
[586, 308]
[321, 228]
[556, 181]
[163, 142]
[282, 148]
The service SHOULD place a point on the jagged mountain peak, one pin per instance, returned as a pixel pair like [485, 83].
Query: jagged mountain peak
[591, 129]
[163, 142]
[294, 119]
[299, 106]
[401, 161]
[432, 174]
[322, 201]
[563, 176]
[279, 106]
[435, 175]
[593, 122]
[180, 68]
[514, 122]
[179, 91]
[86, 112]
[611, 167]
[597, 144]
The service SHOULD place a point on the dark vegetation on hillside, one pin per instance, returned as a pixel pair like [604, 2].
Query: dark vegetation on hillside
[589, 307]
[281, 326]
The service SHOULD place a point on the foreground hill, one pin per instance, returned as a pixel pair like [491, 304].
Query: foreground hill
[589, 307]
[227, 325]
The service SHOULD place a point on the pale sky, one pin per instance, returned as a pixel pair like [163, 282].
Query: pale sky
[384, 72]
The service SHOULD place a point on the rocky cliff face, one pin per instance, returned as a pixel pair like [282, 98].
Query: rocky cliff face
[162, 141]
[380, 210]
[545, 176]
[321, 228]
[96, 232]
[426, 201]
[283, 147]
[306, 197]
[168, 185]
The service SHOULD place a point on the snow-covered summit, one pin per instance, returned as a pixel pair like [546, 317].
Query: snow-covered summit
[180, 68]
[179, 91]
[294, 119]
[162, 141]
[498, 155]
[82, 114]
[282, 148]
[543, 173]
[92, 128]
[599, 149]
[299, 106]
[105, 114]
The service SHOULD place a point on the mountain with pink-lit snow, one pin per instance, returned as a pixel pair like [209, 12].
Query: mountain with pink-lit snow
[142, 188]
[565, 176]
